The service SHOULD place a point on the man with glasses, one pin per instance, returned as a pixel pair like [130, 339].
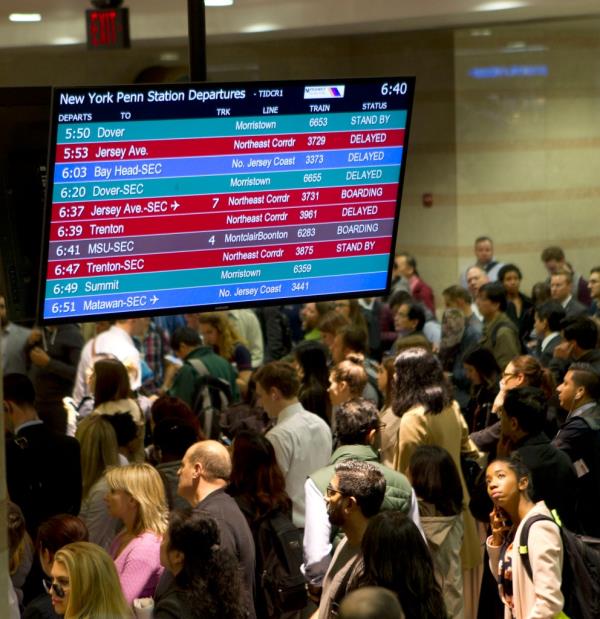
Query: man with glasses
[353, 496]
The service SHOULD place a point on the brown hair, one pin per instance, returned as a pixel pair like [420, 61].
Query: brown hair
[352, 372]
[281, 375]
[535, 374]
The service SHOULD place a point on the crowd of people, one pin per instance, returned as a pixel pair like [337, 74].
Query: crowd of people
[351, 458]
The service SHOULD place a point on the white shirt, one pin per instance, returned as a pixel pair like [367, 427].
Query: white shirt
[548, 339]
[302, 444]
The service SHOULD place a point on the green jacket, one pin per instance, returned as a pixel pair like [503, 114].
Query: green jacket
[183, 385]
[398, 491]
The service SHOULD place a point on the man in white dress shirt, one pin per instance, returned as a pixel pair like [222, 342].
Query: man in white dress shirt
[301, 440]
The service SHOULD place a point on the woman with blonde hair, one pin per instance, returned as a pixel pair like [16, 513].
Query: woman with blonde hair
[219, 333]
[137, 497]
[85, 584]
[99, 451]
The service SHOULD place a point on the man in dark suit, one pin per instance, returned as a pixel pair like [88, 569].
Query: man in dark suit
[561, 284]
[548, 317]
[43, 468]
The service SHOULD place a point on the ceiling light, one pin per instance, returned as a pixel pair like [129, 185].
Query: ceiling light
[501, 5]
[25, 17]
[66, 41]
[261, 27]
[481, 32]
[218, 2]
[169, 57]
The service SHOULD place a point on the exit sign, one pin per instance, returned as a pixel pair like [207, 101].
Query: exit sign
[107, 28]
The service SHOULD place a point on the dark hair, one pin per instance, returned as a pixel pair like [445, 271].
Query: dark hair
[255, 475]
[435, 479]
[398, 297]
[210, 577]
[563, 273]
[365, 482]
[519, 468]
[535, 374]
[19, 389]
[509, 268]
[484, 362]
[495, 293]
[420, 381]
[58, 531]
[553, 253]
[416, 312]
[592, 270]
[396, 557]
[124, 426]
[582, 330]
[411, 261]
[168, 407]
[354, 338]
[311, 355]
[354, 420]
[540, 292]
[173, 436]
[457, 292]
[332, 322]
[584, 375]
[481, 239]
[352, 371]
[185, 335]
[528, 406]
[553, 312]
[111, 381]
[280, 375]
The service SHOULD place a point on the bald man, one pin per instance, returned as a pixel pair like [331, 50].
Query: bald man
[203, 478]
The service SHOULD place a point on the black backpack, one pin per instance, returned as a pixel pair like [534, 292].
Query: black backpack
[211, 397]
[581, 569]
[281, 584]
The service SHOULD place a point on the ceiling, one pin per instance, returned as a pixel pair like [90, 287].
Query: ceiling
[63, 20]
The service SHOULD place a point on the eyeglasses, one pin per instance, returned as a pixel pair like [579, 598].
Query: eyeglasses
[330, 491]
[56, 587]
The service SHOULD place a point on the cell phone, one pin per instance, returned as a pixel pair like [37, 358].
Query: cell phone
[173, 359]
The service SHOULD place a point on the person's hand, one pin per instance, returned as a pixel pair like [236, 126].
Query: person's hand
[34, 337]
[39, 357]
[500, 525]
[498, 402]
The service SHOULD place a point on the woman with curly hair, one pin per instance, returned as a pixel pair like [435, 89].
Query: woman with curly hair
[137, 497]
[207, 581]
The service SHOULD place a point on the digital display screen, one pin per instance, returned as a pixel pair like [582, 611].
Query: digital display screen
[168, 198]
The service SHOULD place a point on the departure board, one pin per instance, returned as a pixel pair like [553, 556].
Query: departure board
[167, 198]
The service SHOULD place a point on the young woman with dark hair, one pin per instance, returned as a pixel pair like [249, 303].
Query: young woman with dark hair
[508, 485]
[483, 372]
[208, 583]
[311, 361]
[436, 483]
[429, 416]
[396, 557]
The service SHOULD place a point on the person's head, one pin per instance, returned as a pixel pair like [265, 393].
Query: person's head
[168, 407]
[561, 285]
[371, 603]
[17, 536]
[349, 339]
[255, 473]
[396, 557]
[312, 313]
[184, 340]
[481, 366]
[99, 449]
[435, 479]
[127, 433]
[420, 381]
[456, 297]
[491, 300]
[510, 277]
[356, 422]
[347, 379]
[540, 293]
[56, 532]
[110, 381]
[580, 385]
[527, 371]
[508, 482]
[581, 333]
[484, 250]
[406, 265]
[523, 412]
[207, 574]
[136, 495]
[311, 359]
[277, 386]
[409, 318]
[205, 465]
[453, 329]
[548, 318]
[553, 258]
[594, 283]
[85, 583]
[172, 437]
[329, 326]
[218, 332]
[476, 278]
[397, 298]
[19, 400]
[355, 492]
